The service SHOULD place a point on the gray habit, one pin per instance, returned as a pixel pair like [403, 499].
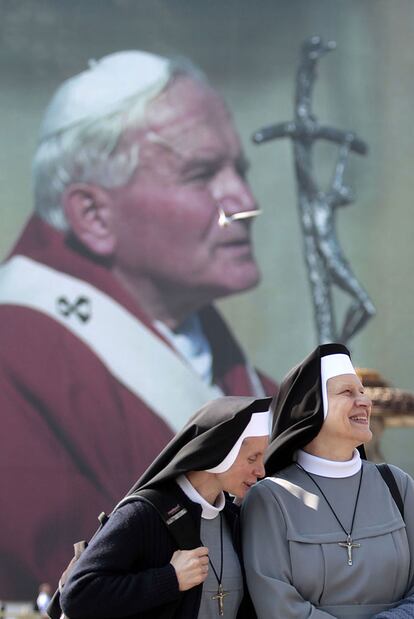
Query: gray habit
[232, 576]
[296, 569]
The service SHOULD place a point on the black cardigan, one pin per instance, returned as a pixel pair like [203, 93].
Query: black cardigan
[126, 570]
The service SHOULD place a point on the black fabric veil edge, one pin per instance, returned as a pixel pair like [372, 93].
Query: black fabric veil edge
[298, 409]
[205, 440]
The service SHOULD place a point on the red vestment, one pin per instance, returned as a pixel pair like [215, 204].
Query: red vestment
[74, 439]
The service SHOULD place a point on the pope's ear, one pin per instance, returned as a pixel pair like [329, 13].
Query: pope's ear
[88, 210]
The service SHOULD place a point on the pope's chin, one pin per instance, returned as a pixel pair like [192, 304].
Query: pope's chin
[239, 277]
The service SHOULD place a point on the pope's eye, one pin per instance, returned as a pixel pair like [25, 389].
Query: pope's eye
[242, 167]
[200, 173]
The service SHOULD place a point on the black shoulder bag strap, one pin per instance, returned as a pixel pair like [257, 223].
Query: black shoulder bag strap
[389, 479]
[174, 515]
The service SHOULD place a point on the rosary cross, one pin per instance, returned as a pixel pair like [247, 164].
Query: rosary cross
[349, 545]
[220, 595]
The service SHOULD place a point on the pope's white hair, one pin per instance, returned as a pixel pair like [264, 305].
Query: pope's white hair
[90, 151]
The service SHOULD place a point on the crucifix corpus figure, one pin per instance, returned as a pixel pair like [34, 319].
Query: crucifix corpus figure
[349, 545]
[325, 259]
[220, 595]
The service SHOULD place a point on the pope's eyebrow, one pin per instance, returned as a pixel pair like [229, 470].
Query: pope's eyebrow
[205, 163]
[201, 163]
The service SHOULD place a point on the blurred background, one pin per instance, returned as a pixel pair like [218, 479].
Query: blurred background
[250, 52]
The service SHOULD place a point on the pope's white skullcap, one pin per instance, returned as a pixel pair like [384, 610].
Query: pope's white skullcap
[103, 87]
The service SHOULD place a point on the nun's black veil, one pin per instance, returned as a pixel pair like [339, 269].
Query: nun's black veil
[298, 409]
[205, 440]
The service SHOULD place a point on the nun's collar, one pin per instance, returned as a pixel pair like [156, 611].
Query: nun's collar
[208, 511]
[329, 468]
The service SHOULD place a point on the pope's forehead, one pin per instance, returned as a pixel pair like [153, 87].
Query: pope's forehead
[187, 102]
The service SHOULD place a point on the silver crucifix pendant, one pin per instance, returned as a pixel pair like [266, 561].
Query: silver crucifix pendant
[349, 545]
[220, 595]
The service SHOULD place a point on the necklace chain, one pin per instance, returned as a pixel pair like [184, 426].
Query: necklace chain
[348, 534]
[221, 593]
[221, 554]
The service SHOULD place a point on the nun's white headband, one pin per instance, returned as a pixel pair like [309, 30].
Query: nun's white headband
[259, 425]
[333, 365]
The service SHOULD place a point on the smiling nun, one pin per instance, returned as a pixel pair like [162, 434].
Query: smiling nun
[323, 536]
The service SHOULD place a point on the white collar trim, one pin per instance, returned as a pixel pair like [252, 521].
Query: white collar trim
[208, 511]
[329, 468]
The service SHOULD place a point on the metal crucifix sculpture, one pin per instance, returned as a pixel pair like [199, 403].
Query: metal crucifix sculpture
[325, 259]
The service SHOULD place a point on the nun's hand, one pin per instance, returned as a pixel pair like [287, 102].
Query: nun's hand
[191, 567]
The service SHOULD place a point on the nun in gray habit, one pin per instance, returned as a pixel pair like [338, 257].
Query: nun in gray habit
[133, 567]
[323, 536]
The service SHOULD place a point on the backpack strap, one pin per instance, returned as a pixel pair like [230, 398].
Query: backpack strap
[389, 479]
[165, 500]
[175, 517]
[174, 514]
